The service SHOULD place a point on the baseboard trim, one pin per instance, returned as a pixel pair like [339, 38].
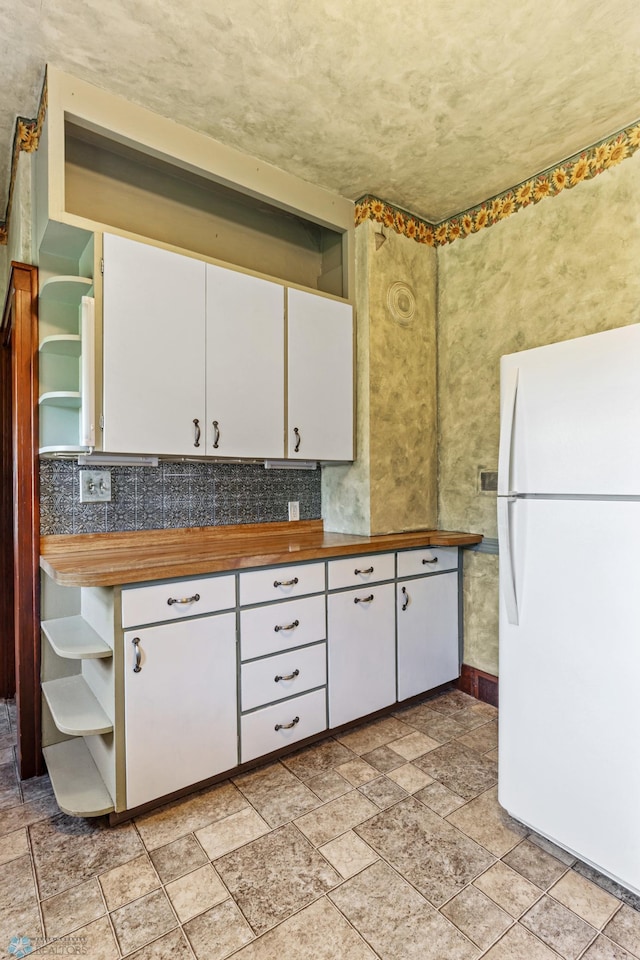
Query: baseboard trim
[481, 685]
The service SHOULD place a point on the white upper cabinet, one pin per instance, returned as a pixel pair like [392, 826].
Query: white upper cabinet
[319, 377]
[154, 350]
[245, 365]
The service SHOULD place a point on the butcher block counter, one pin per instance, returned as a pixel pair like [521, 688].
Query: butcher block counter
[108, 559]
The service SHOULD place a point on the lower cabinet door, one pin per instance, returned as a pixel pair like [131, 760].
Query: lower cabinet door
[180, 705]
[362, 652]
[427, 633]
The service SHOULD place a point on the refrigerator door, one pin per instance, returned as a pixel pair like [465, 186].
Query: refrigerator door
[569, 705]
[569, 417]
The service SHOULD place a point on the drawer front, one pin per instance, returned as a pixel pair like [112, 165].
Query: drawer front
[355, 571]
[258, 730]
[286, 674]
[411, 563]
[279, 626]
[176, 599]
[260, 586]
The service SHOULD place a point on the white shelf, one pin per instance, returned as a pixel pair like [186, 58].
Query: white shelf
[62, 345]
[61, 398]
[66, 289]
[74, 708]
[63, 449]
[74, 639]
[79, 788]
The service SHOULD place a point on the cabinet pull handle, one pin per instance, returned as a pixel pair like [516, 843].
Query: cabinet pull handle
[196, 424]
[285, 583]
[289, 626]
[363, 599]
[216, 434]
[298, 439]
[435, 560]
[136, 667]
[406, 598]
[287, 726]
[192, 599]
[368, 570]
[289, 676]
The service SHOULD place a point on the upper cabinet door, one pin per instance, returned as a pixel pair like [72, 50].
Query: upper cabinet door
[320, 378]
[154, 350]
[245, 365]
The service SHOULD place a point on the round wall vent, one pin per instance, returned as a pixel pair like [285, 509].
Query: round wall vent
[401, 301]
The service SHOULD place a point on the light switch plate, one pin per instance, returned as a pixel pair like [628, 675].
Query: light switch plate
[95, 486]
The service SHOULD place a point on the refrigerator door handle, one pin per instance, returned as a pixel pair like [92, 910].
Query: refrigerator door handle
[507, 578]
[507, 415]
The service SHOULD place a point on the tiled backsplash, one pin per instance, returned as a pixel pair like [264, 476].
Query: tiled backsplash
[175, 495]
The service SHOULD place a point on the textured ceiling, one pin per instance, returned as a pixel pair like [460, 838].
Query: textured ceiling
[433, 105]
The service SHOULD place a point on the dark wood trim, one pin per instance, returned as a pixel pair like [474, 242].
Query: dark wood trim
[20, 337]
[7, 630]
[483, 686]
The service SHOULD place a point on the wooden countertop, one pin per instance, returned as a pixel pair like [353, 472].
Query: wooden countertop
[107, 559]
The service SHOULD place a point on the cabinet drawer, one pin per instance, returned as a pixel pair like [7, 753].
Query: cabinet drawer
[284, 675]
[260, 586]
[260, 735]
[279, 626]
[176, 599]
[354, 571]
[427, 560]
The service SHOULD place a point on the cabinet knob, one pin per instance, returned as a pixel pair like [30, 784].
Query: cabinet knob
[287, 726]
[298, 439]
[138, 655]
[363, 599]
[196, 424]
[406, 598]
[216, 434]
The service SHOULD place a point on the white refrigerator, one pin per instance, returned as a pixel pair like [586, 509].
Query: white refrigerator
[569, 541]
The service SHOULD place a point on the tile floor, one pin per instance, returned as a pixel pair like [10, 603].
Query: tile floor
[386, 842]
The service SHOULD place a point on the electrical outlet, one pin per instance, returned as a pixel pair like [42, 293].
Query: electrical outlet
[294, 509]
[95, 486]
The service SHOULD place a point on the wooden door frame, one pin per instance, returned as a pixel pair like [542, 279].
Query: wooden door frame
[20, 508]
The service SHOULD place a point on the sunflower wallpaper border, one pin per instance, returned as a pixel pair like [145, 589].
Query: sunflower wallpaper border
[569, 173]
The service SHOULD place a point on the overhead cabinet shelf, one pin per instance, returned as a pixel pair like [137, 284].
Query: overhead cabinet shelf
[66, 289]
[61, 398]
[62, 345]
[74, 708]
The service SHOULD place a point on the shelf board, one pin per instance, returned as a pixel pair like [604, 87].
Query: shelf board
[79, 788]
[61, 398]
[62, 345]
[74, 639]
[66, 289]
[74, 708]
[62, 449]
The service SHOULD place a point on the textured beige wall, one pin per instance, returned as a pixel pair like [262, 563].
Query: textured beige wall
[392, 486]
[563, 268]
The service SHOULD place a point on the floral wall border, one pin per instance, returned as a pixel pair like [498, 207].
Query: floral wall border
[26, 138]
[549, 183]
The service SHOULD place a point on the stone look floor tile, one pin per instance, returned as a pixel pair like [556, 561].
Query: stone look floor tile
[336, 817]
[414, 745]
[624, 929]
[563, 855]
[348, 854]
[439, 798]
[17, 884]
[434, 725]
[319, 932]
[329, 785]
[461, 770]
[508, 889]
[519, 944]
[74, 908]
[196, 892]
[276, 794]
[143, 920]
[590, 902]
[177, 819]
[410, 777]
[397, 922]
[606, 883]
[95, 941]
[383, 792]
[13, 845]
[218, 932]
[128, 882]
[604, 949]
[479, 918]
[357, 772]
[383, 759]
[168, 947]
[378, 733]
[27, 814]
[177, 858]
[435, 857]
[482, 739]
[275, 876]
[484, 820]
[535, 864]
[21, 920]
[232, 832]
[316, 759]
[558, 927]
